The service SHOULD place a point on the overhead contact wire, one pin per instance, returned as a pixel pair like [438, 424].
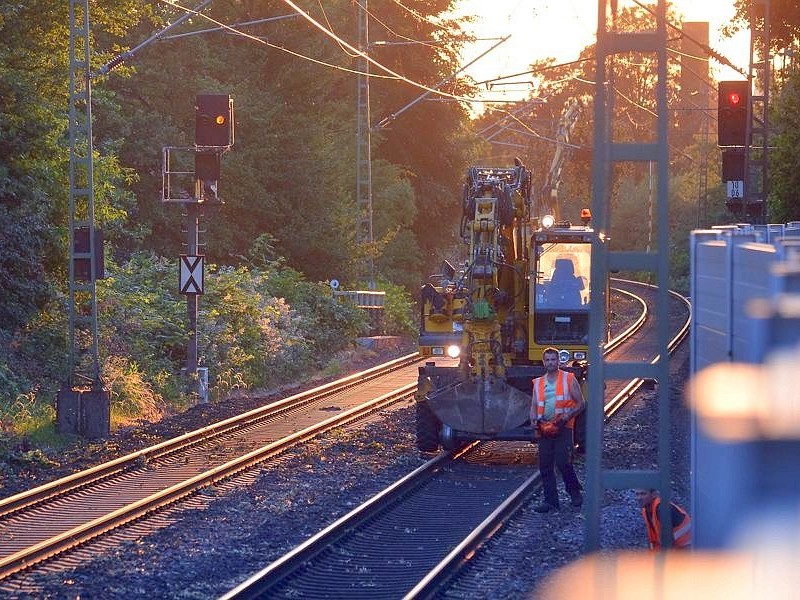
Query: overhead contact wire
[275, 46]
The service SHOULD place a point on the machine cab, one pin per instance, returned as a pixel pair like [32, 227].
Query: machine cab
[561, 292]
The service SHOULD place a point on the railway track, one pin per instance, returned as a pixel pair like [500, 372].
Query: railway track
[48, 520]
[63, 515]
[408, 540]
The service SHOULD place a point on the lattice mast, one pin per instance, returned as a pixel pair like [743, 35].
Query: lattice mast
[84, 361]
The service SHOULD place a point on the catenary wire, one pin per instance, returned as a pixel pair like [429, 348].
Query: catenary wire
[328, 23]
[270, 45]
[391, 74]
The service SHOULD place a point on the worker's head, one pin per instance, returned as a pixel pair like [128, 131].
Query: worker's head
[645, 496]
[550, 359]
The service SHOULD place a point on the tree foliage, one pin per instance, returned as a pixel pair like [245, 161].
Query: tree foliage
[784, 20]
[292, 172]
[784, 174]
[528, 130]
[33, 154]
[289, 218]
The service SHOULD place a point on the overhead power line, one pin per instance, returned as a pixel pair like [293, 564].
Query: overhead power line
[368, 58]
[270, 45]
[222, 28]
[415, 14]
[391, 74]
[533, 71]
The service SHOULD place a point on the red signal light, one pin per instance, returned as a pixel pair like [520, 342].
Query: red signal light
[220, 119]
[732, 102]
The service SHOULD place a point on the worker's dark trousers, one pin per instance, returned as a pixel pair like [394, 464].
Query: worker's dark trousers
[556, 451]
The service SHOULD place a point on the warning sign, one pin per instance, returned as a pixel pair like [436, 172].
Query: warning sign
[191, 274]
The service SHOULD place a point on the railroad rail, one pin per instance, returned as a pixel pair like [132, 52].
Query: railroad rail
[409, 539]
[50, 519]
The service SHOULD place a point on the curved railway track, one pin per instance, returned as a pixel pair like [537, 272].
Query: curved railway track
[49, 520]
[409, 539]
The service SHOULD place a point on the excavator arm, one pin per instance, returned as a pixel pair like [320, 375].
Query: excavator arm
[549, 194]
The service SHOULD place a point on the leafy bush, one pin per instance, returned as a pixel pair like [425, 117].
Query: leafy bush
[257, 328]
[399, 310]
[327, 324]
[141, 314]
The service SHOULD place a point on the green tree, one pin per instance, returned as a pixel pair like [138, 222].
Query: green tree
[783, 160]
[529, 129]
[784, 20]
[34, 74]
[288, 183]
[291, 173]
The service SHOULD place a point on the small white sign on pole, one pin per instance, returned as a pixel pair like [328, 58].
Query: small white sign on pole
[735, 189]
[191, 274]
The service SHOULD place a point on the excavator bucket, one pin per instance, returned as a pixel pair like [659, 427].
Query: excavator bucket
[487, 406]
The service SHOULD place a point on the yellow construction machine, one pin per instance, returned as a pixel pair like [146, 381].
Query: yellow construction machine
[524, 286]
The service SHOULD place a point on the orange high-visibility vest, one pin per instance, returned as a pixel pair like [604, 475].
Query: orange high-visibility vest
[564, 402]
[681, 533]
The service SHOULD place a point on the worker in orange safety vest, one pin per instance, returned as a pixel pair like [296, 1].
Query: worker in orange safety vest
[649, 502]
[557, 399]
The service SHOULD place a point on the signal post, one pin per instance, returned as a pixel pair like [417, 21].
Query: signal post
[195, 184]
[733, 136]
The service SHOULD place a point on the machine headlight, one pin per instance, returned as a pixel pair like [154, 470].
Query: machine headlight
[579, 355]
[563, 356]
[453, 351]
[548, 221]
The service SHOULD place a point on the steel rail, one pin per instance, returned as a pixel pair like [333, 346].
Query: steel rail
[257, 584]
[620, 338]
[83, 533]
[459, 555]
[618, 401]
[100, 472]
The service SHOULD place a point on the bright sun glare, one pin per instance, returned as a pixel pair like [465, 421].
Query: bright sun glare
[561, 28]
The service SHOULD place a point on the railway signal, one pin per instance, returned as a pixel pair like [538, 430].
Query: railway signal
[214, 120]
[733, 173]
[733, 98]
[86, 252]
[213, 136]
[207, 171]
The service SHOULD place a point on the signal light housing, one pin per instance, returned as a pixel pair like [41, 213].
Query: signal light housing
[733, 165]
[82, 267]
[733, 99]
[213, 120]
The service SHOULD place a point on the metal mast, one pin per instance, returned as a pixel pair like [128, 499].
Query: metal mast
[83, 405]
[364, 235]
[84, 361]
[607, 152]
